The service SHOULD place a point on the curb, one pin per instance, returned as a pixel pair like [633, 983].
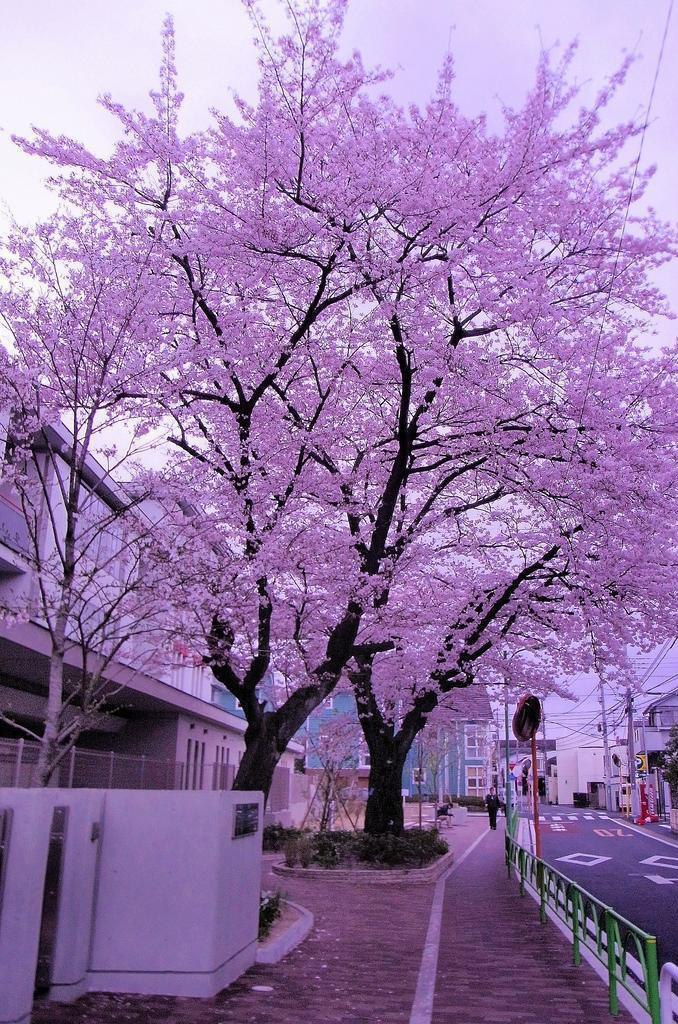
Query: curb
[377, 876]
[274, 951]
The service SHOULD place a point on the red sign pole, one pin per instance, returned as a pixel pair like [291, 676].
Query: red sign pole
[535, 798]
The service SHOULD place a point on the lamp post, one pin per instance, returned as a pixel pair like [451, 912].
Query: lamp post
[507, 787]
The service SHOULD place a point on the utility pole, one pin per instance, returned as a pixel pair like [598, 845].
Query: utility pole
[507, 795]
[546, 760]
[607, 762]
[635, 804]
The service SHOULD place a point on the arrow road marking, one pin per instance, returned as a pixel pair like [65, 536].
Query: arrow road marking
[661, 880]
[668, 863]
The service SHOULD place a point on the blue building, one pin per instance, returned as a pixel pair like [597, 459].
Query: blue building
[455, 758]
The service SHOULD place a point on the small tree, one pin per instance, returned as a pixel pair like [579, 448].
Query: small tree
[73, 313]
[335, 746]
[669, 765]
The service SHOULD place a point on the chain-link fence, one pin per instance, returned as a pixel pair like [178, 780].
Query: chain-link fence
[97, 769]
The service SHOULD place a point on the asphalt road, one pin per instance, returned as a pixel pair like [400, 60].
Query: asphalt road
[633, 871]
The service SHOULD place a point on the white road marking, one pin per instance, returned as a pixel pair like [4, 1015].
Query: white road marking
[422, 1007]
[557, 817]
[660, 862]
[573, 817]
[650, 835]
[663, 826]
[587, 860]
[661, 880]
[589, 817]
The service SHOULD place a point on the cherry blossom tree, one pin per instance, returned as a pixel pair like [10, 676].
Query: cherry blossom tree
[402, 378]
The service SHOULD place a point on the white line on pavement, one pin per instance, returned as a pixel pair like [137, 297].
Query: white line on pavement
[422, 1007]
[557, 817]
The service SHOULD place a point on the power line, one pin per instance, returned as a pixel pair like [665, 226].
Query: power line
[626, 212]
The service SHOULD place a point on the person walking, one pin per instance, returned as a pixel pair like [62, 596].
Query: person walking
[493, 803]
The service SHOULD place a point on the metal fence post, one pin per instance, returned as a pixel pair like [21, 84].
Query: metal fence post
[71, 768]
[576, 952]
[611, 964]
[17, 765]
[652, 980]
[542, 891]
[521, 861]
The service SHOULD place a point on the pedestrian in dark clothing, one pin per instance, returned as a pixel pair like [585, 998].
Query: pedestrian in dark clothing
[493, 803]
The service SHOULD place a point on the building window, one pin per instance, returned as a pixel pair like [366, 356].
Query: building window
[475, 780]
[364, 759]
[475, 740]
[189, 748]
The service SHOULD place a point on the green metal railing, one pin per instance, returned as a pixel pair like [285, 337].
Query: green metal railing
[628, 953]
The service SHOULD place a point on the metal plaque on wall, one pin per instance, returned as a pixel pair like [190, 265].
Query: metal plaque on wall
[245, 820]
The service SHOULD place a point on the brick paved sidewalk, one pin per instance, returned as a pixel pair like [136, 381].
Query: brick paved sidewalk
[497, 964]
[361, 963]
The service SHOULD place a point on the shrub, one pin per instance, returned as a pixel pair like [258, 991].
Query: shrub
[414, 848]
[305, 850]
[469, 801]
[291, 851]
[270, 909]
[328, 848]
[275, 837]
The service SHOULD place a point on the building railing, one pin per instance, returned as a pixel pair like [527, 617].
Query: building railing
[628, 954]
[98, 769]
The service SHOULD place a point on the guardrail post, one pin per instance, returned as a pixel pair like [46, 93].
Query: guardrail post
[668, 976]
[611, 965]
[542, 891]
[508, 856]
[521, 862]
[652, 981]
[576, 952]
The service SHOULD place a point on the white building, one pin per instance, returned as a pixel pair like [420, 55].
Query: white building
[580, 769]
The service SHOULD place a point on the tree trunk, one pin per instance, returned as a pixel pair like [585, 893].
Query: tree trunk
[47, 756]
[384, 811]
[255, 772]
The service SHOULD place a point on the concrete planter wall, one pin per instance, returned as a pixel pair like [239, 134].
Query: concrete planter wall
[157, 894]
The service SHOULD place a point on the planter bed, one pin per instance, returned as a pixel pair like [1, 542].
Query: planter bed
[291, 928]
[380, 876]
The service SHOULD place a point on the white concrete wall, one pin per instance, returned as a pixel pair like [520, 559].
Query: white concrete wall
[164, 901]
[178, 898]
[21, 909]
